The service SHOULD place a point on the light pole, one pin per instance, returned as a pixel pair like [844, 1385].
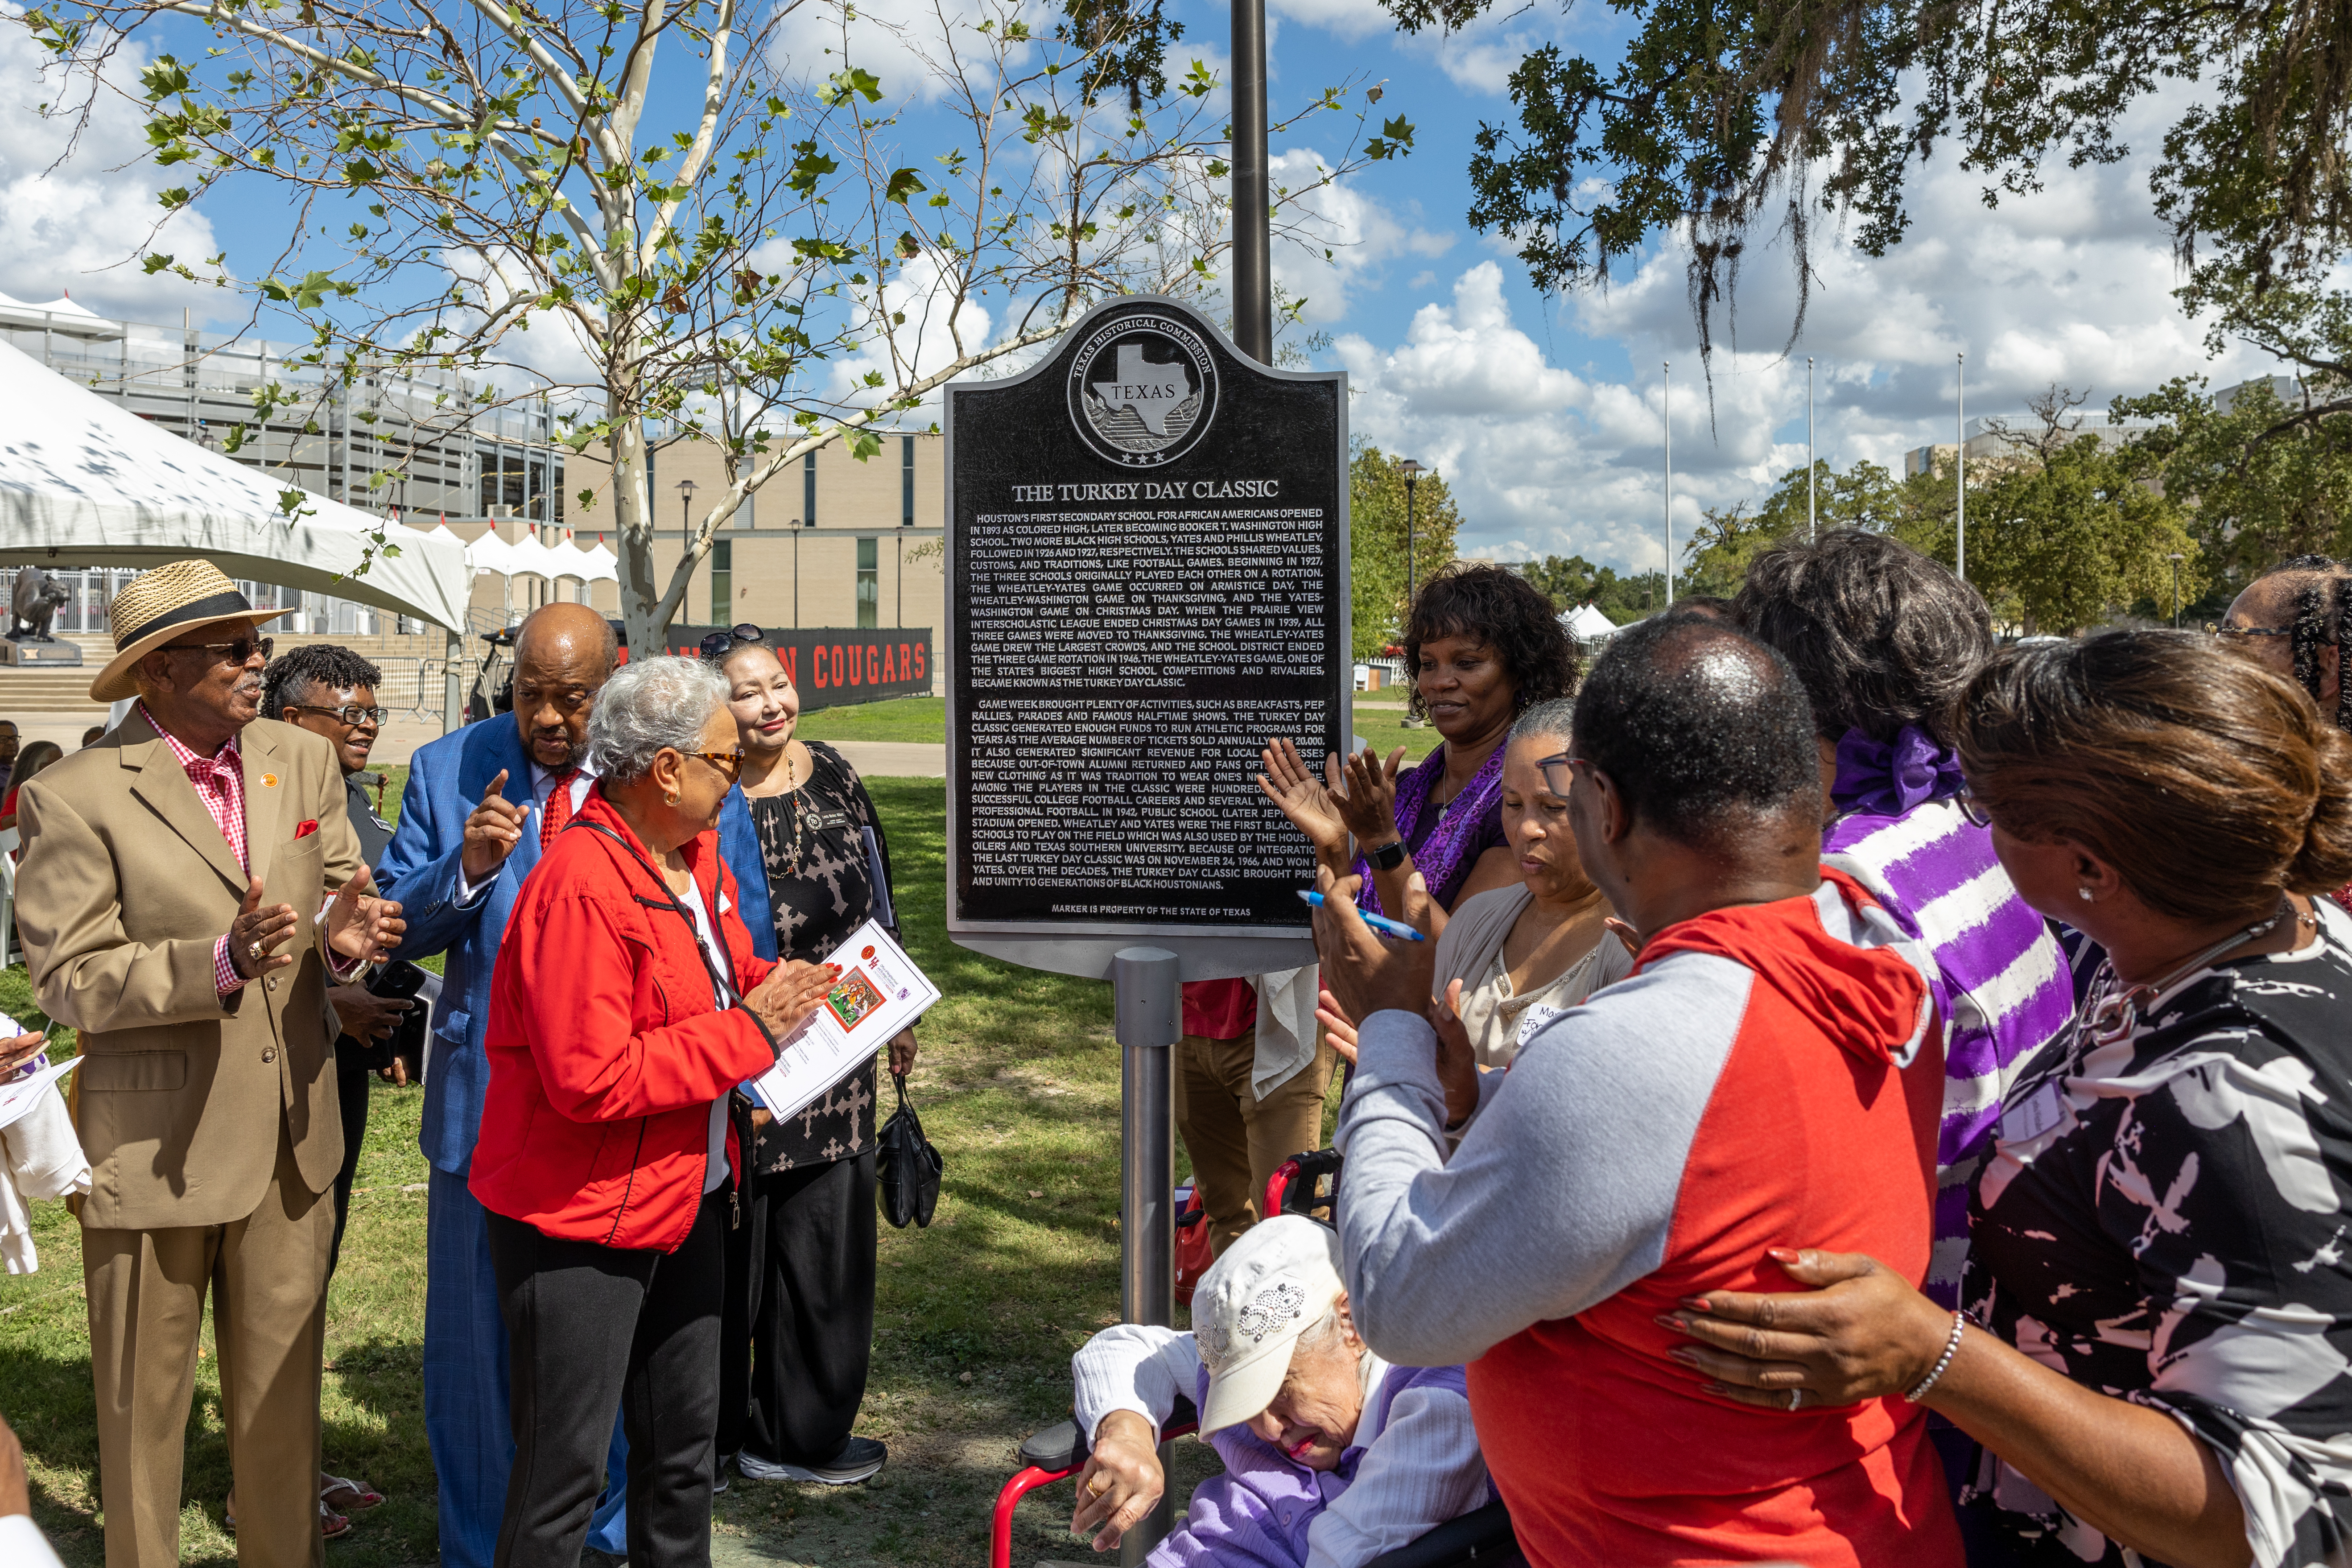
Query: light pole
[1411, 472]
[796, 573]
[1960, 464]
[2175, 559]
[1812, 521]
[685, 514]
[1666, 425]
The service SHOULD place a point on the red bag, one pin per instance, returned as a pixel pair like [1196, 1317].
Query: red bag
[1193, 1255]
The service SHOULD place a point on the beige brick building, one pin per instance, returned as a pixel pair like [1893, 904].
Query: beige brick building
[831, 542]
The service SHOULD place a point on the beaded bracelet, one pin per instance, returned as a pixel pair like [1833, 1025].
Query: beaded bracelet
[1951, 1349]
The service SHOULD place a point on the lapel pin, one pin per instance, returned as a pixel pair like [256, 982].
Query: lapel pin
[269, 781]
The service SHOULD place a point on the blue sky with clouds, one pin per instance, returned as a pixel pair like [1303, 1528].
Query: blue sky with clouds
[1543, 414]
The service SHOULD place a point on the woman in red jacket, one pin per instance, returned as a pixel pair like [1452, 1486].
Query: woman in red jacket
[625, 1006]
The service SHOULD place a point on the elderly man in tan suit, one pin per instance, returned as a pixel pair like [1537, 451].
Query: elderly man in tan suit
[174, 900]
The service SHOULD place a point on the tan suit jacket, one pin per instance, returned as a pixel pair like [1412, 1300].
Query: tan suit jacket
[124, 887]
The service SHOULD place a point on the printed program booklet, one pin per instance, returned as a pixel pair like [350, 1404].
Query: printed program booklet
[880, 992]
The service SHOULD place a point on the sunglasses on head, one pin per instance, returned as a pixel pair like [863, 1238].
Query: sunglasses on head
[716, 645]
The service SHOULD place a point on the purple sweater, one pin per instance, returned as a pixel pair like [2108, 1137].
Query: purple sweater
[2001, 983]
[1257, 1514]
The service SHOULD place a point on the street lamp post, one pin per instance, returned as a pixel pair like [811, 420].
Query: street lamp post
[1666, 425]
[1813, 520]
[2175, 559]
[1411, 472]
[796, 573]
[1960, 464]
[685, 515]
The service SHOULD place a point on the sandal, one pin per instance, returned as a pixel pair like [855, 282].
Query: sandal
[350, 1496]
[330, 1523]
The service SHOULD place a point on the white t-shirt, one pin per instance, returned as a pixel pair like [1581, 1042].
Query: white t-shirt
[707, 935]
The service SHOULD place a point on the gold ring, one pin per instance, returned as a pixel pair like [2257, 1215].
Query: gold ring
[253, 948]
[1099, 1486]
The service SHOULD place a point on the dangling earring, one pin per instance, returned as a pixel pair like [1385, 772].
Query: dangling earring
[2083, 893]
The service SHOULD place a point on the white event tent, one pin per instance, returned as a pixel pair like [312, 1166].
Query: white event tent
[86, 482]
[1587, 624]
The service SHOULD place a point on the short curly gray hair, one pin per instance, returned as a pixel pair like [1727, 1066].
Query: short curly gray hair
[650, 704]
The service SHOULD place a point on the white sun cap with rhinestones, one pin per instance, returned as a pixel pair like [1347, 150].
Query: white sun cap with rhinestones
[1270, 1286]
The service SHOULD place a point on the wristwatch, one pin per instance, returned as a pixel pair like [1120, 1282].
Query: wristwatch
[1387, 856]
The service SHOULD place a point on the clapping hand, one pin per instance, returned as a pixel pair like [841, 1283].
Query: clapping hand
[257, 933]
[492, 831]
[361, 926]
[791, 991]
[1368, 804]
[1311, 808]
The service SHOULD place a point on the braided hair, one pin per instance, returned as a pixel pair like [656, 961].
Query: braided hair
[2322, 606]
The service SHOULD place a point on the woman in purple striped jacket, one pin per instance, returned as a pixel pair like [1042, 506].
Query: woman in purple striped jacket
[1884, 639]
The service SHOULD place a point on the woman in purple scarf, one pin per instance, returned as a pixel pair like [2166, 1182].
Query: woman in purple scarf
[1483, 643]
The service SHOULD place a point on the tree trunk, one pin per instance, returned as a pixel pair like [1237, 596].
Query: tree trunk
[641, 599]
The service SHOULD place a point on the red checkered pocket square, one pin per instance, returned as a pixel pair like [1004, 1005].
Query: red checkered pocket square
[304, 829]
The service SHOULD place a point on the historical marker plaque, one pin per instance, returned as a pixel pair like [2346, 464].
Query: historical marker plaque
[1147, 556]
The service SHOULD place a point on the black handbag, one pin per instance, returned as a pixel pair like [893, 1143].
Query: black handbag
[908, 1166]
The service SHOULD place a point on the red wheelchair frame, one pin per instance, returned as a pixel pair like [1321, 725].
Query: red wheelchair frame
[1303, 1185]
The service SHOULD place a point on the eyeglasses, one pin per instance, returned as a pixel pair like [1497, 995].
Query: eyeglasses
[238, 652]
[728, 763]
[1972, 808]
[353, 715]
[2229, 634]
[716, 643]
[1559, 772]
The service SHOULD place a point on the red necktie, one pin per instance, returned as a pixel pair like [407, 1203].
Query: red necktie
[558, 810]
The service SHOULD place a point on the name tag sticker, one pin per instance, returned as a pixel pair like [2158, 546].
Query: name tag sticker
[819, 821]
[2037, 1113]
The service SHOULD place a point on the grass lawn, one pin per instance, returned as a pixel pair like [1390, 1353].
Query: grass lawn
[917, 719]
[924, 719]
[975, 1321]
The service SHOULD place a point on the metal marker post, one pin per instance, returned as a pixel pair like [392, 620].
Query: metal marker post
[1253, 272]
[1148, 1007]
[1666, 432]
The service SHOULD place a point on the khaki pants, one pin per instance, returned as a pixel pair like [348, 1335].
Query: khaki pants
[267, 1276]
[1235, 1139]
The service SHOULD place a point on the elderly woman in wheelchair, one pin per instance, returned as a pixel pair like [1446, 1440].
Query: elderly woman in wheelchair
[1332, 1456]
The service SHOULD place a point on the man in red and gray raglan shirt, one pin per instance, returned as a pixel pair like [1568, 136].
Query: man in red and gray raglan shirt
[1769, 1076]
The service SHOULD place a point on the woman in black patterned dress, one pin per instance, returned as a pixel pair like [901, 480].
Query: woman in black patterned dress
[800, 1330]
[2155, 1356]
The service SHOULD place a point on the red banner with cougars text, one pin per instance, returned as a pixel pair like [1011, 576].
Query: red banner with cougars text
[836, 665]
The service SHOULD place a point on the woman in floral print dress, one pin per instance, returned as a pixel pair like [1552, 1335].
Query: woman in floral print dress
[800, 1330]
[2154, 1353]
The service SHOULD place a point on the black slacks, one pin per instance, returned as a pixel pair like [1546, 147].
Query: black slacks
[352, 1098]
[799, 1311]
[589, 1328]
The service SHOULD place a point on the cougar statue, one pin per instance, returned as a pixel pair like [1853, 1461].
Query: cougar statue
[39, 594]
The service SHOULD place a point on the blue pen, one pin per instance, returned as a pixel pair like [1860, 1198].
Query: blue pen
[1380, 923]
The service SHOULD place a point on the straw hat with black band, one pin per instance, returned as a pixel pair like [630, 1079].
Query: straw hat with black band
[156, 606]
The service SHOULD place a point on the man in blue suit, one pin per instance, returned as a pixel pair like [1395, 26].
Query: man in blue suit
[480, 804]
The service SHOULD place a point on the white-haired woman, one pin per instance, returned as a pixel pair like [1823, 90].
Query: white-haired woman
[626, 1004]
[1332, 1456]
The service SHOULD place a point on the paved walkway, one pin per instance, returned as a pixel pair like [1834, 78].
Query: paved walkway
[402, 737]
